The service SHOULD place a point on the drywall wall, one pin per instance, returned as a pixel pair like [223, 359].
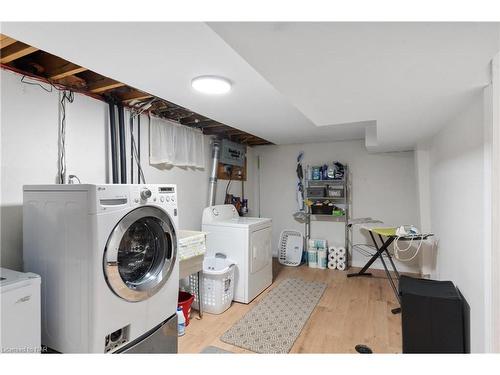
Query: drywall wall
[383, 187]
[29, 139]
[493, 103]
[458, 189]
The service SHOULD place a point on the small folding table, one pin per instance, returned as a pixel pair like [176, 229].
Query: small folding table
[389, 233]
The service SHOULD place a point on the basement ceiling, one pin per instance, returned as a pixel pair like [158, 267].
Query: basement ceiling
[390, 83]
[34, 63]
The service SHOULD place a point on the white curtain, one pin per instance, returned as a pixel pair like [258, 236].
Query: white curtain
[174, 144]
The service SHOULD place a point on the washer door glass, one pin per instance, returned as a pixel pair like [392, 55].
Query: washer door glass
[140, 254]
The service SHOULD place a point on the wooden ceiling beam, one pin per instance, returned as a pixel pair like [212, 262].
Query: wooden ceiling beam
[236, 132]
[6, 41]
[215, 125]
[134, 95]
[202, 124]
[66, 70]
[15, 51]
[104, 85]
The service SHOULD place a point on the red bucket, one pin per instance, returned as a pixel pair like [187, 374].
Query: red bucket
[185, 302]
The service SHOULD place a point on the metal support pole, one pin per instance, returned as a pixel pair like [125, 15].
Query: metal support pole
[213, 174]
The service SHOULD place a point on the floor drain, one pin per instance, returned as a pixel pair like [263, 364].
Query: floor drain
[363, 349]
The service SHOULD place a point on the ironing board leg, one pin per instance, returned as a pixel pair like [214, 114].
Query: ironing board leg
[391, 281]
[379, 254]
[363, 272]
[390, 259]
[384, 247]
[374, 257]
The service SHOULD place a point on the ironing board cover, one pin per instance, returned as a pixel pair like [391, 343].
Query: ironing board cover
[391, 232]
[387, 231]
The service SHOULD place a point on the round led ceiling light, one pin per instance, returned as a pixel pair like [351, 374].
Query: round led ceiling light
[211, 85]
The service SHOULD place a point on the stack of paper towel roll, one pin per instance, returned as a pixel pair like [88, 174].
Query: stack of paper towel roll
[337, 258]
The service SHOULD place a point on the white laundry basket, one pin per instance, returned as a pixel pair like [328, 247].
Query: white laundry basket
[217, 284]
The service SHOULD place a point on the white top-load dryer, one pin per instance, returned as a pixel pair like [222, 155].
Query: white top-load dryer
[244, 240]
[107, 255]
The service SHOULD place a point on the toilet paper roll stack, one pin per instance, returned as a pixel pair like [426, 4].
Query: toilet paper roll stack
[337, 258]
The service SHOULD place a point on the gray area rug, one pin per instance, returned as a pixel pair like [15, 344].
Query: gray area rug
[275, 323]
[214, 350]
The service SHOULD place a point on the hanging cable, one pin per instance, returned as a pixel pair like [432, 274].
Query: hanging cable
[135, 154]
[398, 250]
[38, 84]
[65, 96]
[227, 189]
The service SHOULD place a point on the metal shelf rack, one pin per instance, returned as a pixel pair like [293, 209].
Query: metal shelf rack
[343, 202]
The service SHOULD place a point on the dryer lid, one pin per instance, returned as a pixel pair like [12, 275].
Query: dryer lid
[10, 279]
[227, 215]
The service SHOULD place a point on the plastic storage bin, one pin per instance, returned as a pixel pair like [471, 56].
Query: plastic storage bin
[217, 284]
[185, 300]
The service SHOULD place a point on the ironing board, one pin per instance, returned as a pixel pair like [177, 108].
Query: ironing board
[389, 233]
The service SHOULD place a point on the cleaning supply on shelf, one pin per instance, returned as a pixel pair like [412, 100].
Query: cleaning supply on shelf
[316, 173]
[324, 172]
[181, 322]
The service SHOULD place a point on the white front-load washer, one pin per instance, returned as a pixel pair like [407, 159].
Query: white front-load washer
[244, 240]
[107, 255]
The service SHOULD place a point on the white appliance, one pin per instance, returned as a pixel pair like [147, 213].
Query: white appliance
[107, 255]
[246, 241]
[20, 321]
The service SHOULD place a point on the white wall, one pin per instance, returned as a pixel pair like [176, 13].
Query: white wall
[458, 185]
[29, 131]
[383, 187]
[493, 103]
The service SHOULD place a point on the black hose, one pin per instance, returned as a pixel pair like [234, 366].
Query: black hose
[121, 130]
[112, 136]
[139, 149]
[131, 148]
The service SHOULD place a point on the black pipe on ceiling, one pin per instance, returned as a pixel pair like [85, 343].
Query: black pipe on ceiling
[112, 136]
[121, 131]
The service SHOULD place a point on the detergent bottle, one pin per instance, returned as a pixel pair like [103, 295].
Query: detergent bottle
[181, 322]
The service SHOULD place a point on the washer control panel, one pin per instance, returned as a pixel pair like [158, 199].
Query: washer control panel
[112, 197]
[157, 194]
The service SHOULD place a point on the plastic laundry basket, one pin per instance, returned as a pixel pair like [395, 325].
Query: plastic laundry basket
[217, 284]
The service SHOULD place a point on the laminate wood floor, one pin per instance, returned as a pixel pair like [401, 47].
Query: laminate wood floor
[351, 311]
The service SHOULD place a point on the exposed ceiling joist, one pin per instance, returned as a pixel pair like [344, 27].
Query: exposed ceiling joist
[135, 95]
[14, 54]
[104, 85]
[6, 41]
[66, 70]
[15, 51]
